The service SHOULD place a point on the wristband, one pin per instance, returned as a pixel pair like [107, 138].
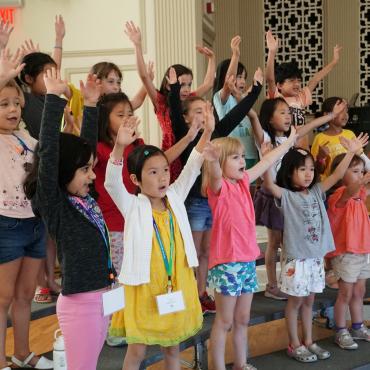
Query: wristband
[58, 47]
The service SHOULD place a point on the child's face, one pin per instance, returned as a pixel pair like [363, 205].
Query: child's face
[341, 119]
[117, 116]
[281, 118]
[83, 177]
[155, 177]
[185, 83]
[234, 166]
[10, 110]
[111, 83]
[241, 82]
[354, 174]
[290, 87]
[37, 84]
[195, 113]
[303, 175]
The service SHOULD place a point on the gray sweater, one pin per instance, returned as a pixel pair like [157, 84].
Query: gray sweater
[81, 250]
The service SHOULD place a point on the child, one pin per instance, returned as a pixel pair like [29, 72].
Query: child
[228, 89]
[273, 126]
[350, 261]
[200, 217]
[301, 200]
[159, 249]
[233, 248]
[326, 145]
[159, 97]
[22, 235]
[286, 81]
[59, 188]
[115, 109]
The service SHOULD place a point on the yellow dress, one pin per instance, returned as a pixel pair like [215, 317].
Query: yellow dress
[140, 322]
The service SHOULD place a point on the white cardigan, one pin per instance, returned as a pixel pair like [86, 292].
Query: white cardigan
[137, 212]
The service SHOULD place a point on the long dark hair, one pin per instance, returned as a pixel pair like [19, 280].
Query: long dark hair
[74, 153]
[106, 104]
[268, 108]
[180, 70]
[295, 158]
[221, 74]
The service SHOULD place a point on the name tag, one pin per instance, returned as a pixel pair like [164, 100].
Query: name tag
[170, 302]
[113, 300]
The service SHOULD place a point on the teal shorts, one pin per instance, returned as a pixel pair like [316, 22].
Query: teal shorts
[234, 278]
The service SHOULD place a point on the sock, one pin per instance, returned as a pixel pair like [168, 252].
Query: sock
[356, 325]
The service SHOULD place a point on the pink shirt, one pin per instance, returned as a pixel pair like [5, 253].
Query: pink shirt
[13, 157]
[350, 224]
[233, 237]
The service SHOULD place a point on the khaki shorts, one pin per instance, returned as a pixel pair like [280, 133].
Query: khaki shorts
[351, 267]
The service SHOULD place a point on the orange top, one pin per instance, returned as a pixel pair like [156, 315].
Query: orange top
[350, 224]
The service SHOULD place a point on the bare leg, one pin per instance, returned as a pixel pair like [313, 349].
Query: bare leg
[134, 356]
[291, 317]
[273, 243]
[171, 357]
[343, 299]
[8, 276]
[21, 306]
[202, 270]
[306, 317]
[356, 303]
[240, 326]
[222, 324]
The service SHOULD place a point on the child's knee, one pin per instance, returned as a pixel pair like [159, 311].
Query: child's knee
[224, 324]
[172, 351]
[242, 319]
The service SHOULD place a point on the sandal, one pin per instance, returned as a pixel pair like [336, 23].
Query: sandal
[301, 354]
[42, 295]
[321, 353]
[43, 363]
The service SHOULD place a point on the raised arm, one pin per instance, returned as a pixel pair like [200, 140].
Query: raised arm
[269, 184]
[232, 119]
[210, 74]
[91, 91]
[353, 146]
[233, 68]
[317, 77]
[272, 45]
[60, 32]
[138, 100]
[351, 190]
[10, 67]
[48, 174]
[211, 154]
[256, 126]
[271, 157]
[134, 34]
[5, 31]
[315, 123]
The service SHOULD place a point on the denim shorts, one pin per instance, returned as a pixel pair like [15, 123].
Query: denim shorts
[199, 214]
[234, 278]
[21, 237]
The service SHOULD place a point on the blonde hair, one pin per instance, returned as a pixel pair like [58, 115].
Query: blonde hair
[13, 84]
[229, 146]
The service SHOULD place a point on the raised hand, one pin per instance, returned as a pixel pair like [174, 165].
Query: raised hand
[150, 69]
[53, 83]
[10, 67]
[205, 51]
[339, 107]
[293, 135]
[133, 32]
[127, 133]
[271, 41]
[258, 76]
[91, 90]
[231, 84]
[234, 44]
[324, 151]
[355, 145]
[193, 130]
[70, 125]
[5, 31]
[336, 52]
[172, 77]
[209, 118]
[60, 29]
[266, 147]
[211, 152]
[29, 47]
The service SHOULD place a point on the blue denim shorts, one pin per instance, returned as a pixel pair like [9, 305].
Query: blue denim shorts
[199, 214]
[234, 278]
[21, 237]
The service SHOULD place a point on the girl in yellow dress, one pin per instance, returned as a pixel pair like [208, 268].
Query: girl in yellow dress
[159, 249]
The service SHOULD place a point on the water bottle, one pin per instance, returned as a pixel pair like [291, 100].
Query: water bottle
[59, 355]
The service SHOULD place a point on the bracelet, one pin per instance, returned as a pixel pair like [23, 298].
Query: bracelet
[116, 162]
[58, 47]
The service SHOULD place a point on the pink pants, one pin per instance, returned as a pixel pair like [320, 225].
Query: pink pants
[84, 328]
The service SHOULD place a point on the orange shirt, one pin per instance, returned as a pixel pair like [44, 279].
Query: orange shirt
[350, 224]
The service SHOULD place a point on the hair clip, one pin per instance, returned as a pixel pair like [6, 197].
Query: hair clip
[146, 152]
[302, 151]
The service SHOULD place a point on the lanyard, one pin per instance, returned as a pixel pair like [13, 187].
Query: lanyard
[104, 233]
[23, 144]
[168, 264]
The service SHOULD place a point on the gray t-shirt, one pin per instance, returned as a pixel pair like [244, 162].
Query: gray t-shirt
[307, 232]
